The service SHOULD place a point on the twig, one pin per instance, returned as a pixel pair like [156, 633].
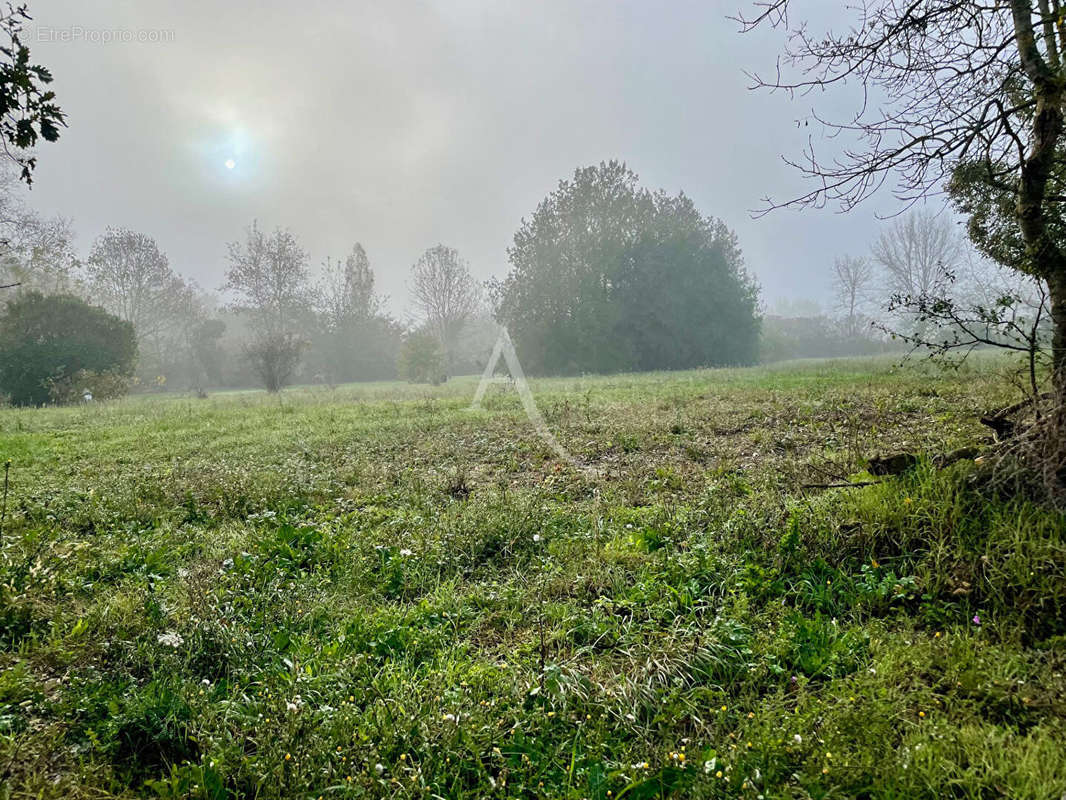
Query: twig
[1011, 409]
[845, 485]
[3, 512]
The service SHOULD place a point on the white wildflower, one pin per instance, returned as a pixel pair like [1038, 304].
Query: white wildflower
[171, 639]
[379, 768]
[797, 739]
[536, 537]
[406, 552]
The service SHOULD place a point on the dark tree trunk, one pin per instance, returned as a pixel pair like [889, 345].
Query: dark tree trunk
[1048, 259]
[1058, 336]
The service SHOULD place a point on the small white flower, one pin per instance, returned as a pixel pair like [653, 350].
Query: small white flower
[797, 739]
[536, 537]
[449, 717]
[406, 552]
[379, 768]
[227, 563]
[171, 639]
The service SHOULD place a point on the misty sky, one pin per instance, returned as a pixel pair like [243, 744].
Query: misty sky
[404, 124]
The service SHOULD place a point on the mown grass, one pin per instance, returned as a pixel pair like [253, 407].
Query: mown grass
[375, 592]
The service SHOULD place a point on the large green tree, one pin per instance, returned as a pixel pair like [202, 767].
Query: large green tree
[608, 276]
[46, 339]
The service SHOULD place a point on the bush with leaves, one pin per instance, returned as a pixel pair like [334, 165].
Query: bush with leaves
[421, 359]
[274, 357]
[73, 388]
[44, 341]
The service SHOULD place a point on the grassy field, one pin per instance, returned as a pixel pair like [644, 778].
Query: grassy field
[375, 592]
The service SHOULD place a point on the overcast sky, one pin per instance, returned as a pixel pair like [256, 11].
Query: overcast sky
[403, 124]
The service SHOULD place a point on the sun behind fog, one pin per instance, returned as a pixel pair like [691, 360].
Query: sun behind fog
[230, 163]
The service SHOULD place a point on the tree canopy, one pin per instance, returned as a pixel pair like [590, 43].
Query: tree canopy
[45, 339]
[609, 276]
[28, 110]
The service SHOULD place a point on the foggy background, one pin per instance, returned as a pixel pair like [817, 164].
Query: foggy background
[406, 124]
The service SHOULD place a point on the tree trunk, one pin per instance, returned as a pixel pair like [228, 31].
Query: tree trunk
[1057, 289]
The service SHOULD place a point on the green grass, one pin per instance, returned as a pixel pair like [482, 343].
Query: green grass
[296, 596]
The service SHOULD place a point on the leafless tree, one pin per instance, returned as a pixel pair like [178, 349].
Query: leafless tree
[269, 275]
[35, 252]
[852, 282]
[131, 277]
[946, 88]
[942, 83]
[917, 252]
[445, 294]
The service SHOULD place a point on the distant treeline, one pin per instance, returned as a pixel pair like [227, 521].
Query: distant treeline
[604, 276]
[819, 336]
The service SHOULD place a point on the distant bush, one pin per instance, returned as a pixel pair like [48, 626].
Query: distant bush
[100, 385]
[46, 342]
[820, 336]
[421, 359]
[274, 358]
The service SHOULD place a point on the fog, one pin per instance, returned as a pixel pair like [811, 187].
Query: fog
[405, 124]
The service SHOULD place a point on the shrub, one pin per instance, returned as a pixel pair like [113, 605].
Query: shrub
[274, 358]
[421, 359]
[46, 341]
[101, 385]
